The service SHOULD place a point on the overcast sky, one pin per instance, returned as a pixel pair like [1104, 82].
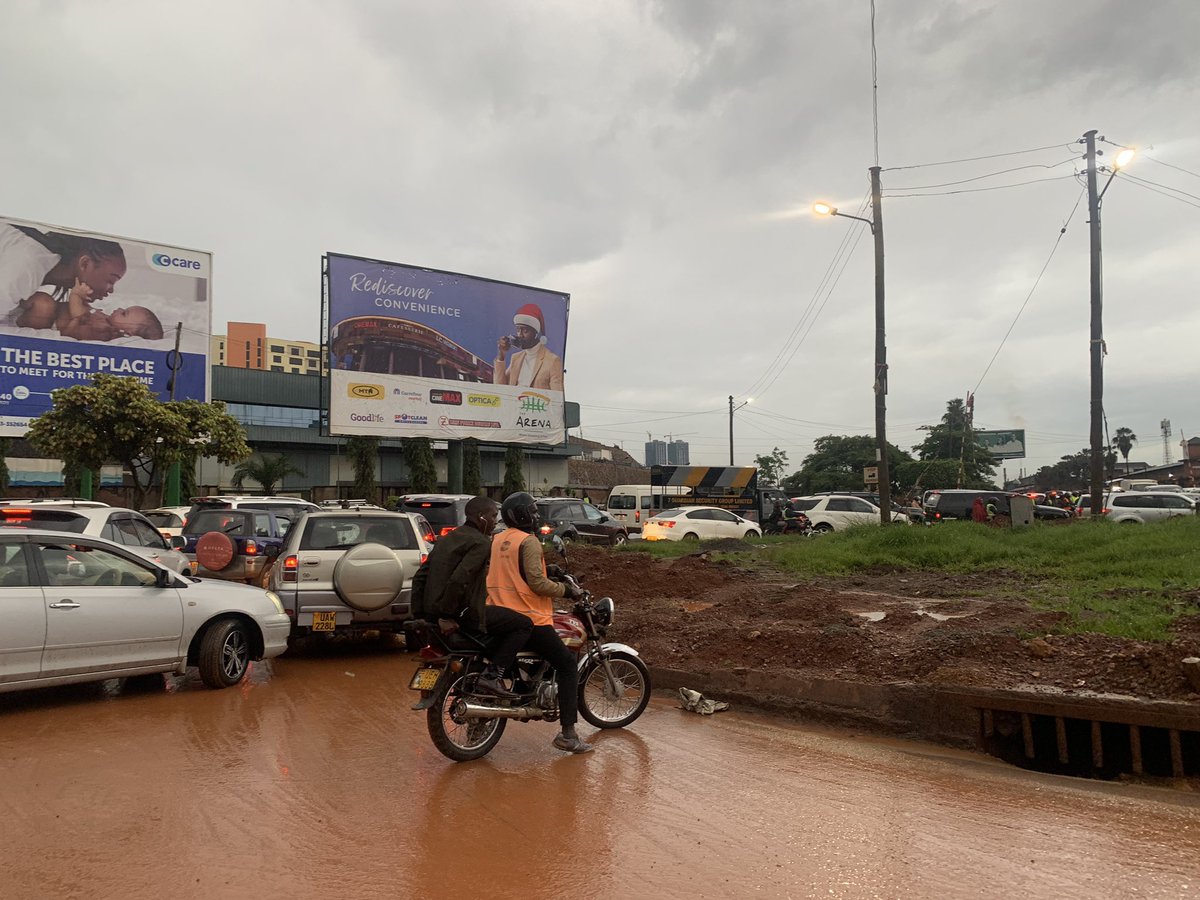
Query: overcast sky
[657, 161]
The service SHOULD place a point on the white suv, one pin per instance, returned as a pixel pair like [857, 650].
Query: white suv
[348, 571]
[1145, 506]
[837, 512]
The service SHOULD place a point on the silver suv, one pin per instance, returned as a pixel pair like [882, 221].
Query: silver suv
[1140, 507]
[346, 571]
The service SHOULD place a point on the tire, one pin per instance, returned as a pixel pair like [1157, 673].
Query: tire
[822, 528]
[751, 534]
[618, 539]
[463, 741]
[224, 653]
[614, 712]
[691, 536]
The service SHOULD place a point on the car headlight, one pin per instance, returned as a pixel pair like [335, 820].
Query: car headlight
[278, 603]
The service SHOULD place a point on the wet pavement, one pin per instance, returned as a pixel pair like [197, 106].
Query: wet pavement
[314, 779]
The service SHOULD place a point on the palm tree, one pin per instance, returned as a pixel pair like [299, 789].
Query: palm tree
[1124, 440]
[266, 471]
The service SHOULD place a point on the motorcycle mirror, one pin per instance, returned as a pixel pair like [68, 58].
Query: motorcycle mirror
[557, 543]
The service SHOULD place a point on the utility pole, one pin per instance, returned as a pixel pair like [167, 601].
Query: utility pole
[1097, 332]
[174, 486]
[881, 368]
[731, 429]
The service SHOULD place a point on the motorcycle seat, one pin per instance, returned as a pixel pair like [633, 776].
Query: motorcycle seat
[467, 641]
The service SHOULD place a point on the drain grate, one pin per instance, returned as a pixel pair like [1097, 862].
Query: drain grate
[1088, 737]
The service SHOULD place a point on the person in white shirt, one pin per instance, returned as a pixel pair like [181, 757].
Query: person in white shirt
[533, 365]
[30, 259]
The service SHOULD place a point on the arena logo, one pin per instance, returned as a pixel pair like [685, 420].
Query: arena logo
[365, 417]
[166, 261]
[408, 419]
[531, 402]
[366, 391]
[482, 400]
[449, 398]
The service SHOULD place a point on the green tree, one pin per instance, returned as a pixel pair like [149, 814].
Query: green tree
[1074, 471]
[771, 467]
[422, 473]
[954, 439]
[1124, 440]
[120, 419]
[363, 453]
[837, 463]
[472, 480]
[514, 474]
[267, 471]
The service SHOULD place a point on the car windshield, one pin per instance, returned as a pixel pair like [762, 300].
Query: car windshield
[224, 520]
[50, 519]
[440, 513]
[341, 533]
[164, 519]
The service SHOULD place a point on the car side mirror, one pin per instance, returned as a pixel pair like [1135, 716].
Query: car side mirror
[163, 578]
[178, 542]
[271, 551]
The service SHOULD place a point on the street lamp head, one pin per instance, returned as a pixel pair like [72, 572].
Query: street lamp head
[1124, 157]
[824, 209]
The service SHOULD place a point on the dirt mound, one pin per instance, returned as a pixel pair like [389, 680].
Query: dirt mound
[704, 613]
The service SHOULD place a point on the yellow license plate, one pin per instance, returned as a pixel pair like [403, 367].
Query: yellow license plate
[324, 621]
[425, 679]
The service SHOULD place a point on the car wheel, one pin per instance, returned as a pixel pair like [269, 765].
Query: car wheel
[618, 539]
[823, 528]
[751, 534]
[224, 653]
[691, 536]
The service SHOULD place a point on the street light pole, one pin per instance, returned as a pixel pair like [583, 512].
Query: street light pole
[731, 429]
[1097, 332]
[881, 368]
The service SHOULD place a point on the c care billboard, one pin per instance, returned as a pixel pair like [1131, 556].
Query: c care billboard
[422, 353]
[74, 304]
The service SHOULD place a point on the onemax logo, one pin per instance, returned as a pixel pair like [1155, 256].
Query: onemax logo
[174, 262]
[365, 417]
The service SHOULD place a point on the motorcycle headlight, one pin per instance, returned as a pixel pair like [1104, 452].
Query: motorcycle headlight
[603, 611]
[278, 603]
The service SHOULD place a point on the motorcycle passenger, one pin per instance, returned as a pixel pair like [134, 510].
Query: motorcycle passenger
[451, 586]
[793, 519]
[517, 581]
[774, 522]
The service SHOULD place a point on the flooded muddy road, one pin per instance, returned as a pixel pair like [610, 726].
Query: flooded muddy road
[314, 779]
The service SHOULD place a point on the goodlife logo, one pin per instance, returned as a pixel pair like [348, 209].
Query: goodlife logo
[166, 261]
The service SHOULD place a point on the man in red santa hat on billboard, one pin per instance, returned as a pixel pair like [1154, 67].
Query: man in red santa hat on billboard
[533, 365]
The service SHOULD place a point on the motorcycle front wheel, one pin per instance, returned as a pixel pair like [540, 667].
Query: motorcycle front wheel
[616, 704]
[456, 737]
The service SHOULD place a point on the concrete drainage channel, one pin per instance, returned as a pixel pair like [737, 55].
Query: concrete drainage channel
[1088, 736]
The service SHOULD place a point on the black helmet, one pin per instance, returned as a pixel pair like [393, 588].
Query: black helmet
[519, 511]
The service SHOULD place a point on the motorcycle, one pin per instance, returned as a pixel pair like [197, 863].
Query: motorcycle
[798, 524]
[465, 723]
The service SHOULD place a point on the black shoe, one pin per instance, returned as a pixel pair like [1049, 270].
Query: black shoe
[491, 684]
[573, 744]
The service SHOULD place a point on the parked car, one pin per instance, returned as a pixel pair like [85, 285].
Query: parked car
[837, 512]
[122, 526]
[345, 571]
[1140, 507]
[692, 523]
[955, 503]
[168, 519]
[445, 512]
[573, 520]
[290, 507]
[871, 497]
[233, 544]
[80, 608]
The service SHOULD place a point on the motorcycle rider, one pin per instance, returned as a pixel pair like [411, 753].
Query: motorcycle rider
[793, 519]
[774, 522]
[451, 585]
[517, 581]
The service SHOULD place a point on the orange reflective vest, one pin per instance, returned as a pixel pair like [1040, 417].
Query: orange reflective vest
[506, 587]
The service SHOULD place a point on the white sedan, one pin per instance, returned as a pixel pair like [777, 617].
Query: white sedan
[80, 608]
[695, 523]
[837, 512]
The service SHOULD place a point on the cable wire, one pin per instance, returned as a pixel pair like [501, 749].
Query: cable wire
[1154, 190]
[1172, 166]
[1165, 187]
[1028, 296]
[950, 162]
[920, 187]
[997, 187]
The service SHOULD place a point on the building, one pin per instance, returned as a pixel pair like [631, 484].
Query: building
[598, 468]
[246, 345]
[667, 453]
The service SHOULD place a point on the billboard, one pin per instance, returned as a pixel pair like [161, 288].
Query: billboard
[734, 488]
[1003, 444]
[417, 352]
[75, 303]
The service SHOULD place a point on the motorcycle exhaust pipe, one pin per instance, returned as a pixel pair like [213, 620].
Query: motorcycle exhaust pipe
[480, 711]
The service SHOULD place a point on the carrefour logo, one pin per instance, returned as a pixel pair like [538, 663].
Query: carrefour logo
[166, 261]
[531, 402]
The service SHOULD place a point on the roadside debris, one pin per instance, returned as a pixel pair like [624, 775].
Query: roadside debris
[694, 701]
[1191, 670]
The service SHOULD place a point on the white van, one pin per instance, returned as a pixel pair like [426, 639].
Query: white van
[633, 504]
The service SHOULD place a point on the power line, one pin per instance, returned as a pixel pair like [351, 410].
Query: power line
[921, 187]
[1138, 183]
[1166, 187]
[1172, 166]
[1028, 296]
[951, 162]
[998, 187]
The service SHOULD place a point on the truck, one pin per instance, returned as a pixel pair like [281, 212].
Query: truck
[734, 488]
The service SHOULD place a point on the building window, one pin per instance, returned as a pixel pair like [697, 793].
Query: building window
[277, 359]
[314, 354]
[276, 368]
[276, 348]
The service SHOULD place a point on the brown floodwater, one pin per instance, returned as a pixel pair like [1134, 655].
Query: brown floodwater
[315, 779]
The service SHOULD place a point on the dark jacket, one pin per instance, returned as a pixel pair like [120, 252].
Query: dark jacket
[454, 578]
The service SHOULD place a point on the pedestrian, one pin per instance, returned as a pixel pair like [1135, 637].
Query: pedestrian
[978, 511]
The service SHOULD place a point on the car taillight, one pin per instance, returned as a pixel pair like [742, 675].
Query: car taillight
[424, 556]
[1105, 511]
[637, 515]
[446, 529]
[668, 523]
[545, 529]
[251, 548]
[17, 515]
[291, 566]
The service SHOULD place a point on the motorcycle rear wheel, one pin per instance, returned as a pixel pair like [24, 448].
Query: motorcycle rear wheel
[617, 708]
[460, 739]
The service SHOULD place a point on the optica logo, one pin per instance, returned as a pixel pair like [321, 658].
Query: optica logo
[365, 391]
[166, 261]
[482, 400]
